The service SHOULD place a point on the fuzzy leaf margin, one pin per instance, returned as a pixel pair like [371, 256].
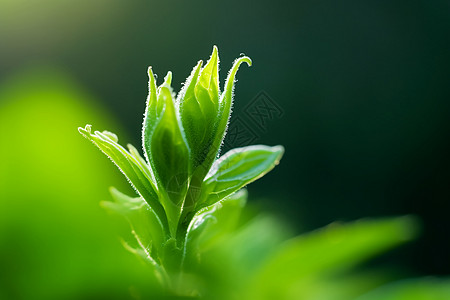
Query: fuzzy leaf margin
[127, 163]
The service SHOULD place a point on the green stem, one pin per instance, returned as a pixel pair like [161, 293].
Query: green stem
[188, 211]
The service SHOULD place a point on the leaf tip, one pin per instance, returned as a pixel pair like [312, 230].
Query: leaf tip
[113, 190]
[151, 77]
[150, 71]
[279, 149]
[168, 78]
[215, 53]
[411, 226]
[86, 130]
[247, 60]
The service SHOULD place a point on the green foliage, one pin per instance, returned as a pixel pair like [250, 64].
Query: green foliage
[187, 219]
[178, 184]
[313, 257]
[237, 168]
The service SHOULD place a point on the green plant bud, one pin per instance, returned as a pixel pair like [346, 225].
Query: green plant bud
[204, 115]
[199, 111]
[166, 148]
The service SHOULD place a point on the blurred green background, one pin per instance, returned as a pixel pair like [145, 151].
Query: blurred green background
[363, 87]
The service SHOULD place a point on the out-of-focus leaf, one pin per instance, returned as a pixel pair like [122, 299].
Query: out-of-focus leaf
[327, 251]
[237, 168]
[342, 286]
[223, 270]
[171, 256]
[417, 289]
[55, 241]
[145, 225]
[228, 266]
[130, 167]
[214, 222]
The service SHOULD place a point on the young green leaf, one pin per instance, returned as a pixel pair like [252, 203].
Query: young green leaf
[142, 163]
[236, 169]
[129, 166]
[212, 223]
[192, 116]
[199, 111]
[226, 102]
[150, 115]
[169, 155]
[146, 226]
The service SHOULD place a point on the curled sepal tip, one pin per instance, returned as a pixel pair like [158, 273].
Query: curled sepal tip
[167, 79]
[227, 101]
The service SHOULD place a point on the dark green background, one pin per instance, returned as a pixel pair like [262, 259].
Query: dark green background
[364, 86]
